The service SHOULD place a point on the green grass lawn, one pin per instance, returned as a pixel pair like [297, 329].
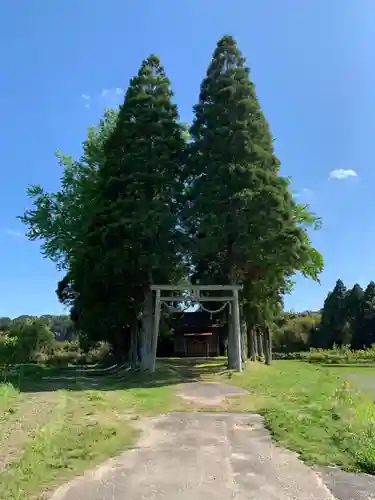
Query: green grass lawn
[362, 377]
[315, 411]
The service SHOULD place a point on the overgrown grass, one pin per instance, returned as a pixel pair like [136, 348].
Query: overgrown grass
[314, 411]
[361, 376]
[78, 435]
[9, 398]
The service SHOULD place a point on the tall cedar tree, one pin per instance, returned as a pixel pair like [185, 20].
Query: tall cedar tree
[240, 213]
[334, 317]
[354, 300]
[133, 239]
[364, 332]
[241, 210]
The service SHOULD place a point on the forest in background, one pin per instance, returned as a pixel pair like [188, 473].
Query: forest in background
[347, 318]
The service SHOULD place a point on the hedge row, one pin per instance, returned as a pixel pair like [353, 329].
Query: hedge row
[342, 355]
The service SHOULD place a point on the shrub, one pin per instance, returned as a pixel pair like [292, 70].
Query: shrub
[98, 353]
[295, 332]
[26, 338]
[30, 341]
[7, 350]
[337, 355]
[63, 358]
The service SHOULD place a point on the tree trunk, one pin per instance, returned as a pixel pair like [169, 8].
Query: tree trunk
[155, 331]
[267, 345]
[237, 330]
[244, 348]
[119, 347]
[139, 340]
[255, 343]
[134, 343]
[231, 344]
[270, 345]
[251, 344]
[260, 351]
[146, 361]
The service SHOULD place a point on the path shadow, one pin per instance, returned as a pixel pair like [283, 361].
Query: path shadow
[169, 372]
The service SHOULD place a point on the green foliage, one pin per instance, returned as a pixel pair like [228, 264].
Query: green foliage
[295, 332]
[24, 340]
[7, 349]
[5, 323]
[40, 340]
[61, 325]
[348, 317]
[56, 218]
[354, 300]
[59, 219]
[337, 355]
[334, 317]
[131, 239]
[239, 208]
[364, 324]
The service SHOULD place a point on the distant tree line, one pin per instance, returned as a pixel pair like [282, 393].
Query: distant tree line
[47, 339]
[61, 326]
[346, 319]
[293, 332]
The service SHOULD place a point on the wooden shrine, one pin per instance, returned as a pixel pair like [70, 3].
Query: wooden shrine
[224, 295]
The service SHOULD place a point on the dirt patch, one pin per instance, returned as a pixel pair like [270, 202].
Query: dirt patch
[209, 394]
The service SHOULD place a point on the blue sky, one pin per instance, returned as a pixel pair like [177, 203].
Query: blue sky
[313, 65]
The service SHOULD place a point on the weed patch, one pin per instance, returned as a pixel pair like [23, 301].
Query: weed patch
[315, 412]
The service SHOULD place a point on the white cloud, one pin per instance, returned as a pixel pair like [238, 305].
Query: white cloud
[86, 97]
[87, 105]
[11, 232]
[341, 173]
[105, 92]
[119, 91]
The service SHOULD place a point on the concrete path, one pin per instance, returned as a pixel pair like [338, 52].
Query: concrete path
[347, 485]
[209, 394]
[205, 456]
[201, 456]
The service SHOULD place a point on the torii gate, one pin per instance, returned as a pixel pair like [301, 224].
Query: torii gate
[192, 294]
